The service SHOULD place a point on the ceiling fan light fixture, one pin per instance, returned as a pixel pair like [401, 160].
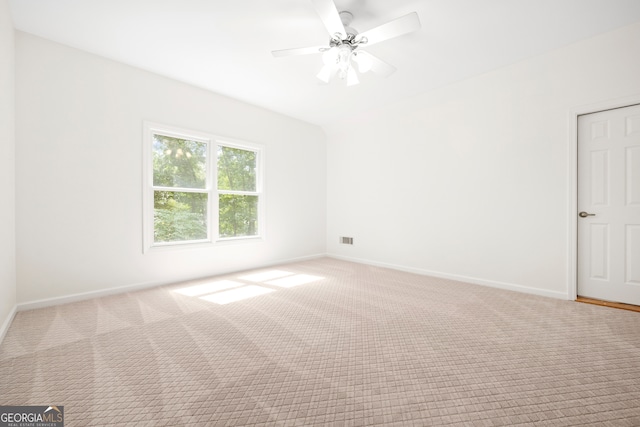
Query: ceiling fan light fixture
[352, 77]
[325, 74]
[337, 60]
[344, 57]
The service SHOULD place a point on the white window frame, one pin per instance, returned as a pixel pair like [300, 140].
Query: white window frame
[211, 188]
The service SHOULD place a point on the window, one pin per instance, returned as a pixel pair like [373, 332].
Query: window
[237, 195]
[199, 188]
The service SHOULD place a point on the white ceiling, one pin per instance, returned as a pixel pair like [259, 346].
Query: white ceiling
[226, 46]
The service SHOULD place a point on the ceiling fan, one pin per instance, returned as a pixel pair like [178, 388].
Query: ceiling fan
[345, 44]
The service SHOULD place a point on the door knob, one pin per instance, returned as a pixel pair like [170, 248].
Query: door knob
[584, 214]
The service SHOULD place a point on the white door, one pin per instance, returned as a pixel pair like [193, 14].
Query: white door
[609, 205]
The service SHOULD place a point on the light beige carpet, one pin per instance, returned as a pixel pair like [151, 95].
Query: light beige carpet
[326, 342]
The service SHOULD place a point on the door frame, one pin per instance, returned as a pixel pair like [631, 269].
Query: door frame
[572, 180]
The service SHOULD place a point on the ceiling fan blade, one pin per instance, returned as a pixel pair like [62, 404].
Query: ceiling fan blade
[403, 25]
[329, 16]
[298, 51]
[378, 66]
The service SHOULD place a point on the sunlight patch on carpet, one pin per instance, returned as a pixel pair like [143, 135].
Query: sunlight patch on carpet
[237, 294]
[265, 275]
[208, 288]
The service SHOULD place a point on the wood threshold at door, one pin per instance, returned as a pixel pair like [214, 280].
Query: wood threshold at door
[619, 305]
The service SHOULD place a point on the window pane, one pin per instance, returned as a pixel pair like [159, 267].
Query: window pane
[179, 162]
[236, 169]
[179, 216]
[238, 215]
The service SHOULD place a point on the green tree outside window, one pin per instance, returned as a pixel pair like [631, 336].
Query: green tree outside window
[238, 208]
[182, 183]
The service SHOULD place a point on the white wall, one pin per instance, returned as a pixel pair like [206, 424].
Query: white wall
[473, 181]
[78, 174]
[7, 170]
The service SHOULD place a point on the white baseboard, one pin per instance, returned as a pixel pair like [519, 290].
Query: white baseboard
[7, 322]
[65, 299]
[459, 278]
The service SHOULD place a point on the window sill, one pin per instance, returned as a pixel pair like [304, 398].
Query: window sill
[178, 246]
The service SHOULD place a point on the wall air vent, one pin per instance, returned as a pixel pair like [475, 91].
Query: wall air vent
[346, 240]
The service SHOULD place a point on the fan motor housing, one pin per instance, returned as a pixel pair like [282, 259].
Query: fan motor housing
[347, 17]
